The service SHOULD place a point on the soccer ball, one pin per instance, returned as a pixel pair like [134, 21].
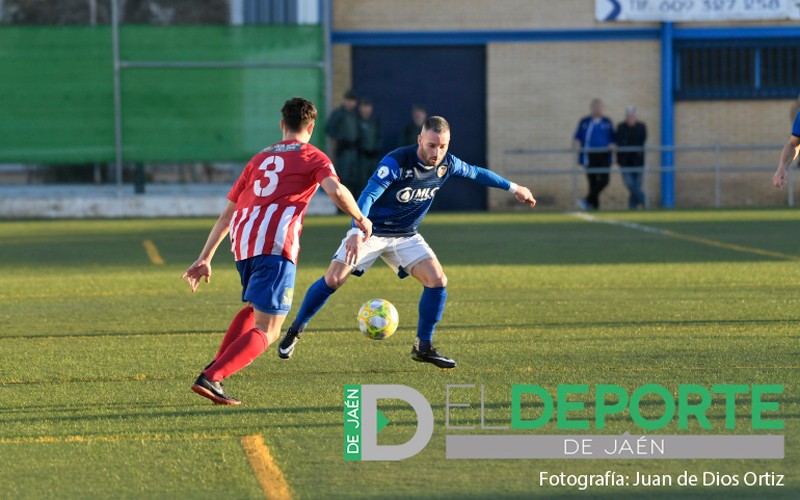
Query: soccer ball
[378, 319]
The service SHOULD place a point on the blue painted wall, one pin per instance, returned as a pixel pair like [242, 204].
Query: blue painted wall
[450, 82]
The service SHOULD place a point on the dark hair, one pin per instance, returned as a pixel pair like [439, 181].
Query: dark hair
[298, 113]
[436, 124]
[350, 95]
[365, 101]
[418, 107]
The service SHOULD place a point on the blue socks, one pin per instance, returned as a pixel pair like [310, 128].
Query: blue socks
[431, 306]
[316, 297]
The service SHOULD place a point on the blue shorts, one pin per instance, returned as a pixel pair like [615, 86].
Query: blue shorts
[268, 283]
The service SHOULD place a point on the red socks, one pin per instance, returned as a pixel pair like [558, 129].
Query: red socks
[240, 353]
[245, 320]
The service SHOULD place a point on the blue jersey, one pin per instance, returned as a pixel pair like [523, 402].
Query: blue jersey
[403, 187]
[594, 133]
[796, 126]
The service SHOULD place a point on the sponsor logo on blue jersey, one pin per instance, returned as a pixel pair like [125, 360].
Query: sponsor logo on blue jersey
[408, 194]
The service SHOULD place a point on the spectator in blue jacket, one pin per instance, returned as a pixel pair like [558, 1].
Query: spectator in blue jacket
[594, 139]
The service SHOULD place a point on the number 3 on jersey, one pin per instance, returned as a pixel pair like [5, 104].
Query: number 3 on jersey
[270, 175]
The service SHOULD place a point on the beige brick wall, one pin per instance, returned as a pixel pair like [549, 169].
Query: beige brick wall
[741, 123]
[538, 92]
[342, 78]
[437, 15]
[341, 81]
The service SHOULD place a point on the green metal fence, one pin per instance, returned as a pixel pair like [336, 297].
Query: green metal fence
[188, 93]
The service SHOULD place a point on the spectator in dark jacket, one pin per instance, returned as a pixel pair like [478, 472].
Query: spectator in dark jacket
[632, 133]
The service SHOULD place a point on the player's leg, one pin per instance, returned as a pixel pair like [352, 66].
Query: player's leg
[248, 346]
[315, 298]
[238, 355]
[243, 321]
[322, 289]
[431, 306]
[413, 255]
[268, 286]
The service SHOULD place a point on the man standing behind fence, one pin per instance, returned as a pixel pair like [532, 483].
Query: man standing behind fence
[594, 138]
[369, 144]
[342, 127]
[631, 135]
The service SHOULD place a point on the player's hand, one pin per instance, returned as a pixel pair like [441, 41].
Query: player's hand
[365, 225]
[523, 195]
[352, 249]
[200, 269]
[780, 178]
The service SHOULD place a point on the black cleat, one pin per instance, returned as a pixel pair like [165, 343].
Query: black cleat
[288, 342]
[213, 391]
[432, 356]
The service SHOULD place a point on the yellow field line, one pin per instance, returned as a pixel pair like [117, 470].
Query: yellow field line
[730, 246]
[267, 472]
[152, 252]
[686, 237]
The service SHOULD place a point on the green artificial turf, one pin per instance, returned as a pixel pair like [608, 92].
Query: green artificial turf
[99, 346]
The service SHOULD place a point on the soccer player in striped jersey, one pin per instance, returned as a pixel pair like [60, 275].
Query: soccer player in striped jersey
[396, 199]
[264, 216]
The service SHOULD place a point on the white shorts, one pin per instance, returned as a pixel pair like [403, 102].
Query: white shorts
[400, 253]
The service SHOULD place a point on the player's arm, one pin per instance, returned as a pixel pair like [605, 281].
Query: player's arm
[387, 172]
[491, 179]
[787, 155]
[201, 268]
[383, 177]
[577, 138]
[369, 195]
[343, 199]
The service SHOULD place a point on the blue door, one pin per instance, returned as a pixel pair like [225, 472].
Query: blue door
[450, 82]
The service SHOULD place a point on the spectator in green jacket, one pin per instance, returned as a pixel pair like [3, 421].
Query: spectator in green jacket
[342, 127]
[412, 130]
[369, 144]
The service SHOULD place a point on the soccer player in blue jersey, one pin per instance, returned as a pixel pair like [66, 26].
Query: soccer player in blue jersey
[787, 155]
[396, 199]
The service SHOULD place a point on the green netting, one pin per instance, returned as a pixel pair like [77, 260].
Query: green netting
[279, 43]
[203, 114]
[56, 89]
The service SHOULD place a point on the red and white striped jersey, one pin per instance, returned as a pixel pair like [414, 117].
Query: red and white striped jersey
[272, 196]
